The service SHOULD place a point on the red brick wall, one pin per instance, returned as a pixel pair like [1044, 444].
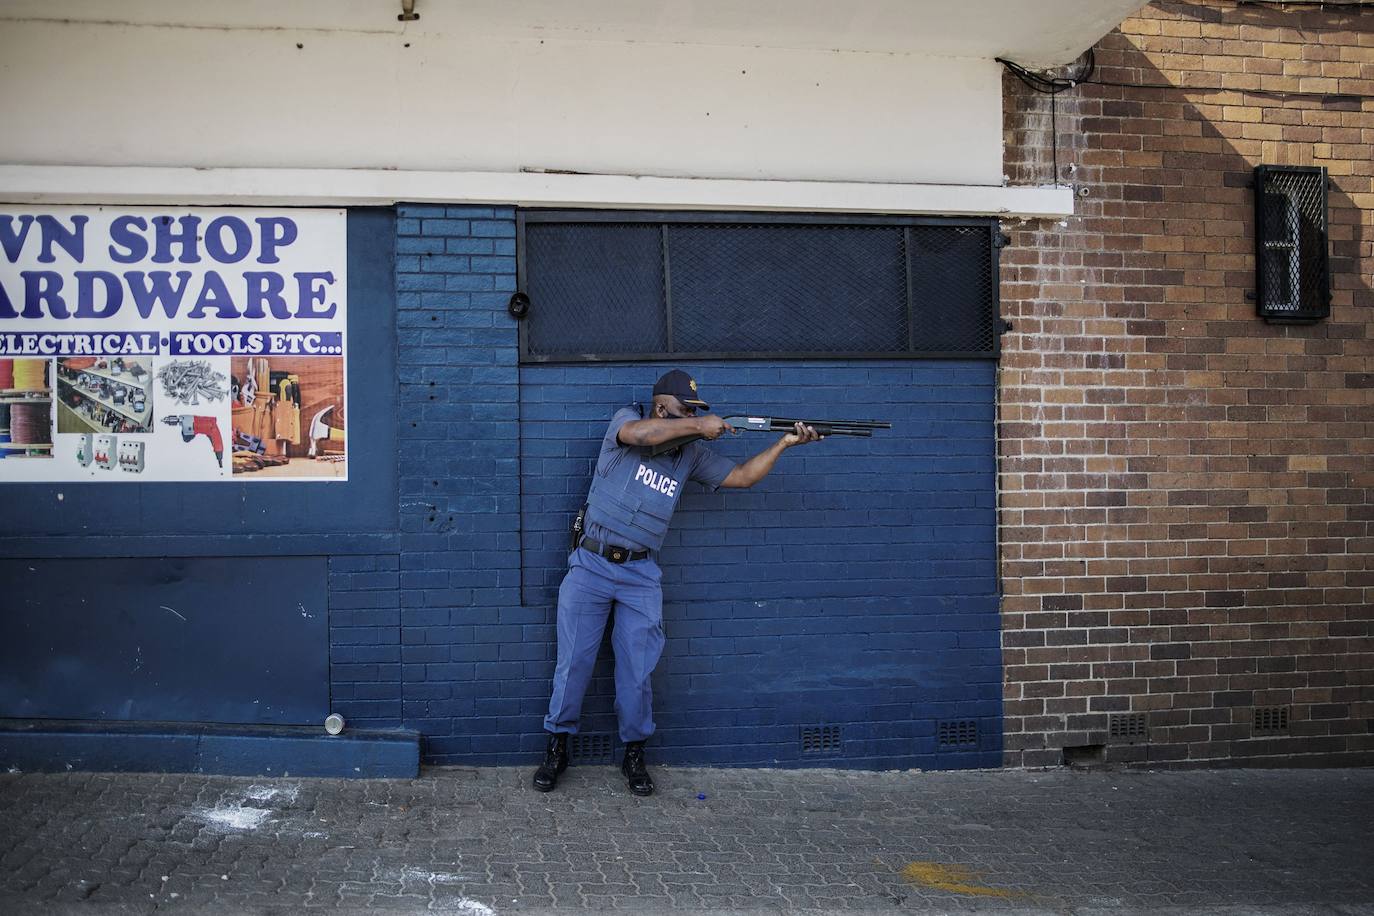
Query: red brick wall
[1185, 489]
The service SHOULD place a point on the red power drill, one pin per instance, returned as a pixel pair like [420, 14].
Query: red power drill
[192, 426]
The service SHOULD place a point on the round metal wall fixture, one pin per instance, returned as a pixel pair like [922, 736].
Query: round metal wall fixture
[334, 723]
[519, 306]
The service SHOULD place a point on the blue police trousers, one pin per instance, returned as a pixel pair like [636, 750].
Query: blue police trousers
[592, 587]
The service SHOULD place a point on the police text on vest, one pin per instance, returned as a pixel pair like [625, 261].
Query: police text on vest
[656, 481]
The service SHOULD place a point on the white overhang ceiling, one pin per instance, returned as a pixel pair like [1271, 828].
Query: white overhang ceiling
[1038, 33]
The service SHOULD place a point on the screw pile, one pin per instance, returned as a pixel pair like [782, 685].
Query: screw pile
[187, 382]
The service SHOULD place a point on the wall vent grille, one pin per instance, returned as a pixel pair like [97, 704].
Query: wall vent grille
[593, 747]
[957, 733]
[1127, 727]
[1271, 719]
[820, 739]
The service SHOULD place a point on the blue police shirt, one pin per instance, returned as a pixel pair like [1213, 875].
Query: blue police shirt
[633, 495]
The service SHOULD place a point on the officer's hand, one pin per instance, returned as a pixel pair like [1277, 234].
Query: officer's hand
[801, 434]
[713, 427]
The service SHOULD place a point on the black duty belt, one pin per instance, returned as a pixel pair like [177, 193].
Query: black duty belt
[611, 551]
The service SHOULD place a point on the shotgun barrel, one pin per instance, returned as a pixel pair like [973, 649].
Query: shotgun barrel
[783, 424]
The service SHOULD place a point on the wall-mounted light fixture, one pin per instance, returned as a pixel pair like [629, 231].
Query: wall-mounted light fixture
[1292, 267]
[408, 13]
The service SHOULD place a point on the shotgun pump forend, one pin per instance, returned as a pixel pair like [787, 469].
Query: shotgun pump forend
[784, 425]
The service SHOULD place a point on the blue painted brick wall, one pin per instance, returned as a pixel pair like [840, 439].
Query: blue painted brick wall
[459, 493]
[365, 640]
[854, 587]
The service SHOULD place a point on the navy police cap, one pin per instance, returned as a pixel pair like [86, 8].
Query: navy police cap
[681, 386]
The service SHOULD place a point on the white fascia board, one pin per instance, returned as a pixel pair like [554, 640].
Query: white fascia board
[377, 187]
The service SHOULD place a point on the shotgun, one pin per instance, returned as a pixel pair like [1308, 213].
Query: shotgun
[785, 425]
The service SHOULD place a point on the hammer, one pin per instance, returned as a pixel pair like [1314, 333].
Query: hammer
[321, 430]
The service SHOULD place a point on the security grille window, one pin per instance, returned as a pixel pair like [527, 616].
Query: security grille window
[1293, 281]
[628, 286]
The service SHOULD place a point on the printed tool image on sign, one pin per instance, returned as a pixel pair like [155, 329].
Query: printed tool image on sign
[229, 324]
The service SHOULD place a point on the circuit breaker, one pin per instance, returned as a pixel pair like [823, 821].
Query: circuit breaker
[106, 451]
[84, 446]
[131, 456]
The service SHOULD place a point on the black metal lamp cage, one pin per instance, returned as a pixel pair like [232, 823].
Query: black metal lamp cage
[1292, 267]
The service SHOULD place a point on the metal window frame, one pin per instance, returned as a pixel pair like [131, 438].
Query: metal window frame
[664, 218]
[1263, 295]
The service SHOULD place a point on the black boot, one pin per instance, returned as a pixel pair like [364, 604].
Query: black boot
[635, 771]
[555, 762]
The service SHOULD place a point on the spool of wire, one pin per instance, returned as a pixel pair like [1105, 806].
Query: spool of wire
[4, 428]
[30, 374]
[31, 424]
[6, 374]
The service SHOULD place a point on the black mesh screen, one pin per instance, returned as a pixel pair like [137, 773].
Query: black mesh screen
[1292, 271]
[653, 286]
[597, 289]
[797, 289]
[953, 303]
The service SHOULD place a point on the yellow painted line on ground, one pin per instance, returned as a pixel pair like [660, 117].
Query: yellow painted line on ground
[956, 879]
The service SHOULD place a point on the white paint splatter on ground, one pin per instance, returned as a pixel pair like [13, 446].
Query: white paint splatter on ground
[231, 814]
[285, 794]
[472, 907]
[232, 817]
[434, 877]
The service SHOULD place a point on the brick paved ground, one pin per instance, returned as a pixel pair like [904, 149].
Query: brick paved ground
[479, 841]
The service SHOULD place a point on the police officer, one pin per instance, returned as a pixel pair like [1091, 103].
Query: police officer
[631, 501]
